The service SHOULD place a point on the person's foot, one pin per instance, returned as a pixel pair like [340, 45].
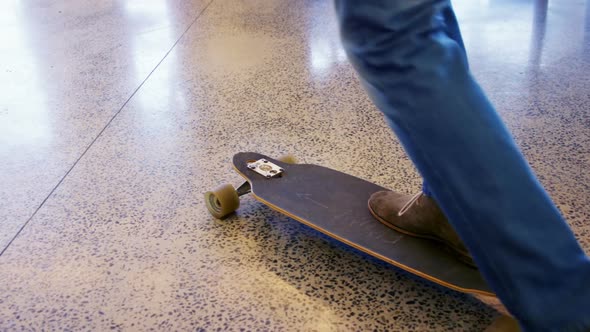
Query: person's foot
[418, 216]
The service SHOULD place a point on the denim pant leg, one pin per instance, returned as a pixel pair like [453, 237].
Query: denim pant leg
[451, 28]
[416, 72]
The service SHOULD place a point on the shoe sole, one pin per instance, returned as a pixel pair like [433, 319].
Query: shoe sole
[457, 253]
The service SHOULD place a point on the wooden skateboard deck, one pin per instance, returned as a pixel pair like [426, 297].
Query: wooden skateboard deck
[335, 203]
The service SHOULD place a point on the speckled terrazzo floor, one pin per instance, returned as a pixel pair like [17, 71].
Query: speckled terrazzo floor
[117, 237]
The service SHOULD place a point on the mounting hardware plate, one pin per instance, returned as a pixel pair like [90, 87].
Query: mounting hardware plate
[265, 168]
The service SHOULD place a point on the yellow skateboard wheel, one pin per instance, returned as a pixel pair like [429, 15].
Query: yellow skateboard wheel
[288, 159]
[222, 201]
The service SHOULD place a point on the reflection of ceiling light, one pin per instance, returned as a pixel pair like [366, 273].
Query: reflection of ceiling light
[325, 52]
[23, 120]
[152, 7]
[320, 56]
[25, 127]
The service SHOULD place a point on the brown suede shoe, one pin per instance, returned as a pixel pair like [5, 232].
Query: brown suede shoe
[418, 216]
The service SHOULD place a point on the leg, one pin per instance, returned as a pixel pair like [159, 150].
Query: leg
[451, 28]
[417, 74]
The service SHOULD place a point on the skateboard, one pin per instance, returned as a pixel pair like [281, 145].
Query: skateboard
[335, 204]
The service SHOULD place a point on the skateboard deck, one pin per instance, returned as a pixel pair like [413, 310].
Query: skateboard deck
[335, 204]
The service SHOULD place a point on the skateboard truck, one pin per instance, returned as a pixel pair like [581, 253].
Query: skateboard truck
[225, 199]
[265, 168]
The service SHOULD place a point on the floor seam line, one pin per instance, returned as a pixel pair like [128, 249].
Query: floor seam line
[105, 127]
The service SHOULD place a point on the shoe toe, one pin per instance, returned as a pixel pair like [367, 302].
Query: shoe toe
[384, 203]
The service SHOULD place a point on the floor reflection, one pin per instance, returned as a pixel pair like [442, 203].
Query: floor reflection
[23, 113]
[325, 49]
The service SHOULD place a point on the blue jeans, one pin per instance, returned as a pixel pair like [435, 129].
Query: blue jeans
[410, 57]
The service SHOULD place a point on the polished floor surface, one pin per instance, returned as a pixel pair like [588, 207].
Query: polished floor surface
[116, 116]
